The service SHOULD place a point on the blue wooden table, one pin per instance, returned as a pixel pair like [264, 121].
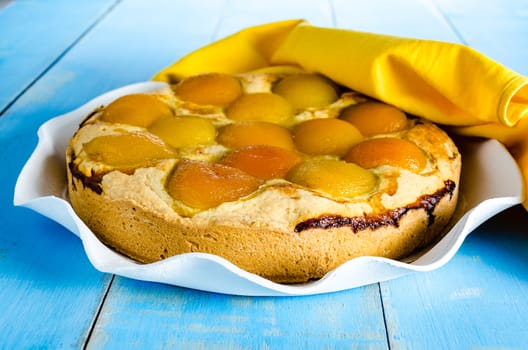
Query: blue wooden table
[56, 55]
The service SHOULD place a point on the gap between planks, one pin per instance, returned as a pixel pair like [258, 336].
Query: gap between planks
[59, 57]
[98, 314]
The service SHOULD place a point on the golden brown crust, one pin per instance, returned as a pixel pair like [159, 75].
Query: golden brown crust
[282, 256]
[283, 232]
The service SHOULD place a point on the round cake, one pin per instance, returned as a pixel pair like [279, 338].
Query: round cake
[285, 175]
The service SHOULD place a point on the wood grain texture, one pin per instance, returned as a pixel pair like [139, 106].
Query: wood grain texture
[51, 296]
[35, 34]
[187, 319]
[476, 301]
[47, 285]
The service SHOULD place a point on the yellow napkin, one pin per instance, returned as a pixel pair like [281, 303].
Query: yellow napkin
[447, 83]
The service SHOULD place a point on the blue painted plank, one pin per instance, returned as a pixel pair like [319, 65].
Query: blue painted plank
[129, 45]
[496, 28]
[483, 9]
[139, 38]
[147, 316]
[49, 292]
[505, 39]
[241, 14]
[478, 300]
[409, 18]
[35, 33]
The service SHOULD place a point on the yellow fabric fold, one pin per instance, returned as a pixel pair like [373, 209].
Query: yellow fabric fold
[244, 51]
[447, 83]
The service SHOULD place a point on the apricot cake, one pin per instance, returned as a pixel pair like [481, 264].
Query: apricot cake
[285, 175]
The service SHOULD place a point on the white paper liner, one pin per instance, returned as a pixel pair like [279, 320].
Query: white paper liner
[491, 182]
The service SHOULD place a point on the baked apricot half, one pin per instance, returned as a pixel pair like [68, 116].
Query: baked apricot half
[205, 185]
[244, 134]
[306, 90]
[374, 118]
[263, 161]
[136, 109]
[328, 136]
[387, 151]
[209, 89]
[334, 177]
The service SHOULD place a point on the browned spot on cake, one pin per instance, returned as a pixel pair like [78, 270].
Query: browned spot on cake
[92, 182]
[391, 217]
[89, 116]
